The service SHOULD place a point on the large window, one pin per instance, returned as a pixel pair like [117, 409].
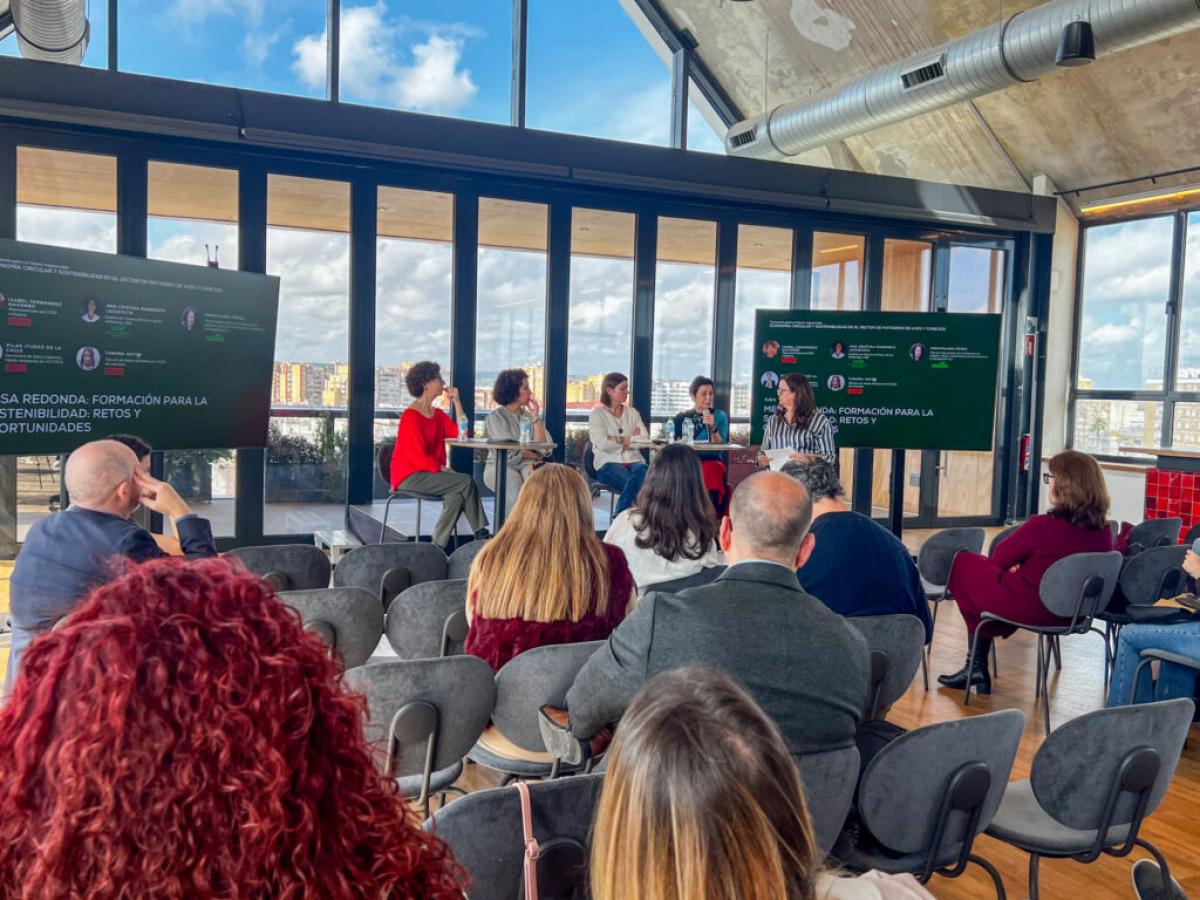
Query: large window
[1189, 337]
[764, 281]
[601, 335]
[69, 200]
[420, 56]
[1126, 280]
[264, 45]
[837, 265]
[308, 247]
[193, 215]
[511, 317]
[683, 310]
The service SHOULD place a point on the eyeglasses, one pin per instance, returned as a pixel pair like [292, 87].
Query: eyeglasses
[1046, 476]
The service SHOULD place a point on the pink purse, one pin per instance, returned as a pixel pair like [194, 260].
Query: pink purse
[532, 851]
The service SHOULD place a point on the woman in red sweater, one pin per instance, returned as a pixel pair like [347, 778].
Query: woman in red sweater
[546, 578]
[419, 457]
[1007, 583]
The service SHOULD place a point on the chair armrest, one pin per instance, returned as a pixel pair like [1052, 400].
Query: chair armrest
[1166, 656]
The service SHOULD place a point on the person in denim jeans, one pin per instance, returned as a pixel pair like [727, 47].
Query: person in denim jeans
[1173, 680]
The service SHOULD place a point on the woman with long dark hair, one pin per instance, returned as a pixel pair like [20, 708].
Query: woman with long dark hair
[1007, 582]
[672, 530]
[798, 425]
[180, 735]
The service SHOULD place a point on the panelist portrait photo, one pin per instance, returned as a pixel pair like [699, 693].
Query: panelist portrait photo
[91, 311]
[837, 350]
[190, 318]
[88, 358]
[835, 382]
[917, 352]
[769, 380]
[771, 349]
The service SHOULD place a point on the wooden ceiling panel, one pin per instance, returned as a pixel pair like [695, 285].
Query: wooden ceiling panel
[687, 241]
[66, 179]
[314, 204]
[512, 225]
[192, 192]
[830, 247]
[760, 247]
[418, 215]
[601, 232]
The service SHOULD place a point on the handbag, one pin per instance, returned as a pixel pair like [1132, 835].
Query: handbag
[553, 870]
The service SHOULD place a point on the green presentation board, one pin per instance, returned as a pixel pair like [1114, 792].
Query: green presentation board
[95, 344]
[888, 380]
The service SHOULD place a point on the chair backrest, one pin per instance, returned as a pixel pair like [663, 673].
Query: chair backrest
[532, 679]
[905, 785]
[460, 688]
[999, 536]
[589, 462]
[1079, 586]
[701, 578]
[304, 566]
[902, 639]
[938, 552]
[383, 461]
[417, 617]
[461, 559]
[829, 779]
[351, 616]
[1156, 533]
[401, 563]
[1152, 574]
[483, 829]
[1079, 763]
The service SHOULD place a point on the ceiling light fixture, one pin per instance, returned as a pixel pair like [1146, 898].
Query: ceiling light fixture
[839, 249]
[1076, 45]
[1171, 197]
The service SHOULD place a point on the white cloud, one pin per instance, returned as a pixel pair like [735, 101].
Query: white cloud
[189, 12]
[256, 46]
[375, 70]
[77, 228]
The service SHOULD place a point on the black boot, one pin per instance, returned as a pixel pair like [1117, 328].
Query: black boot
[981, 678]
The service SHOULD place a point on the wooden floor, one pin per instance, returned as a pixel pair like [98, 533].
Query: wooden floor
[1077, 689]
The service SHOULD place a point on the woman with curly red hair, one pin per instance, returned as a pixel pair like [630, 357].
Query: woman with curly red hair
[179, 735]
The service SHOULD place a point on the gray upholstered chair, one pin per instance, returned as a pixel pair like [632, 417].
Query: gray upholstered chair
[1192, 534]
[349, 620]
[416, 620]
[288, 567]
[388, 569]
[1145, 579]
[928, 794]
[483, 830]
[524, 685]
[1076, 589]
[701, 578]
[934, 562]
[461, 559]
[897, 644]
[1153, 655]
[1093, 782]
[1154, 533]
[423, 716]
[1000, 536]
[829, 781]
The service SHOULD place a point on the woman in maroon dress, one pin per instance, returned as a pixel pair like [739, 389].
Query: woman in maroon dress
[1007, 583]
[545, 578]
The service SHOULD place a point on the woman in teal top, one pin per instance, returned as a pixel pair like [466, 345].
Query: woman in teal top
[710, 426]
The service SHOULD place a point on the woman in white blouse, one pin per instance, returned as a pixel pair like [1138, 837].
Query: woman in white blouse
[672, 531]
[612, 426]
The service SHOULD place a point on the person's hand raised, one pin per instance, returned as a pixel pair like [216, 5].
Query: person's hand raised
[534, 407]
[450, 393]
[159, 497]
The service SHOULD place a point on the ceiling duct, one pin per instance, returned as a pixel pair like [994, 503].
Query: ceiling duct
[51, 30]
[1018, 49]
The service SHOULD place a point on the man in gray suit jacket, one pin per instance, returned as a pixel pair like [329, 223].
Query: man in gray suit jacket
[68, 553]
[803, 664]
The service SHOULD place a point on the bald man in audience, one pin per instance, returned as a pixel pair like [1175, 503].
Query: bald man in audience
[805, 665]
[70, 552]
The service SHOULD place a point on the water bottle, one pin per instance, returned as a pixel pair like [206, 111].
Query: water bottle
[670, 431]
[689, 431]
[526, 429]
[464, 428]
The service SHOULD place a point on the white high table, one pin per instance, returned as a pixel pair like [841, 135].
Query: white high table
[502, 448]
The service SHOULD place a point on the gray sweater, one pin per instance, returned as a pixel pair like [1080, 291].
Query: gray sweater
[805, 665]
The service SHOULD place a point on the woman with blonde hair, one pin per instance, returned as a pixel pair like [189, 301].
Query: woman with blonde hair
[703, 801]
[545, 578]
